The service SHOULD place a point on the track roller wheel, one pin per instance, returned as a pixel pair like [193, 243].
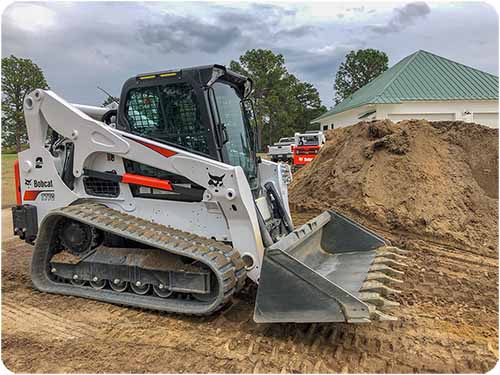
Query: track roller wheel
[97, 283]
[162, 291]
[118, 285]
[76, 281]
[140, 288]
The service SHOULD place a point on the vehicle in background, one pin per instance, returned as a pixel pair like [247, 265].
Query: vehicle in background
[307, 146]
[282, 150]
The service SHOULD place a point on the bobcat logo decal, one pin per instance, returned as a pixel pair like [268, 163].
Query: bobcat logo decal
[27, 182]
[215, 181]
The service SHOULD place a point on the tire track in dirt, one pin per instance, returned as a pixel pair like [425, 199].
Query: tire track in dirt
[32, 319]
[442, 328]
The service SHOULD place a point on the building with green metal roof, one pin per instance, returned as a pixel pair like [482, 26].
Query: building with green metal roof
[421, 86]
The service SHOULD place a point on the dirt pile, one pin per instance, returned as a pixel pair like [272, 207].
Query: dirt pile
[437, 180]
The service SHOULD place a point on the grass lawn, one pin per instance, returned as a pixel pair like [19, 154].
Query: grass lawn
[8, 183]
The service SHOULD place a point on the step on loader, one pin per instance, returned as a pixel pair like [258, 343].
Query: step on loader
[161, 202]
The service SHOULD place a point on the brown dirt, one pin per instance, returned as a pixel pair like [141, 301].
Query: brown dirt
[448, 318]
[437, 180]
[447, 323]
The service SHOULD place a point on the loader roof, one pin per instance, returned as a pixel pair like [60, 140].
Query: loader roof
[205, 74]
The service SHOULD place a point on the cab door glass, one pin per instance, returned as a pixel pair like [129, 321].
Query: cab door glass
[239, 144]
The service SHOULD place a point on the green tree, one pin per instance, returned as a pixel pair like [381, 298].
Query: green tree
[358, 69]
[19, 77]
[306, 104]
[267, 70]
[283, 104]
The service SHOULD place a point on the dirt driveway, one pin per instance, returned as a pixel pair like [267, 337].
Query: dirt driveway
[447, 323]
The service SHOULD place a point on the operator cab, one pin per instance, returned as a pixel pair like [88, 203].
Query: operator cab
[203, 110]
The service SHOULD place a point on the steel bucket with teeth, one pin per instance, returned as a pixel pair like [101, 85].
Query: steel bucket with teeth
[331, 269]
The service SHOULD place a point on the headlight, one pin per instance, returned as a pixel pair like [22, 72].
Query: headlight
[284, 170]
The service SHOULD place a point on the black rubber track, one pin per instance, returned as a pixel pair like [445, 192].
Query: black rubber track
[224, 262]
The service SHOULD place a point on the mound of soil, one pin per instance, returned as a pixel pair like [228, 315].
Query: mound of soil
[437, 180]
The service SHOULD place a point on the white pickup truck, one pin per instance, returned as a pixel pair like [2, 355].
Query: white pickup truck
[282, 150]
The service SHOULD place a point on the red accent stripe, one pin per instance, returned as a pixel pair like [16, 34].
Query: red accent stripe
[129, 178]
[165, 152]
[31, 195]
[17, 177]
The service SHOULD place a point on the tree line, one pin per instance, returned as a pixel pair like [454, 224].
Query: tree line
[283, 103]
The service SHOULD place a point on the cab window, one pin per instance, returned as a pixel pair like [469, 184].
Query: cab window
[167, 113]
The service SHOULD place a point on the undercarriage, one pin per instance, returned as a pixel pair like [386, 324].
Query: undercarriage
[164, 269]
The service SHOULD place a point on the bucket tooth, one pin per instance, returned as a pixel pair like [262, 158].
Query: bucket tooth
[371, 307]
[394, 249]
[388, 262]
[390, 255]
[380, 316]
[382, 277]
[378, 287]
[385, 269]
[377, 300]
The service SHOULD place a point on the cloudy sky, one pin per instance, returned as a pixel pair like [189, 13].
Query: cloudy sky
[81, 45]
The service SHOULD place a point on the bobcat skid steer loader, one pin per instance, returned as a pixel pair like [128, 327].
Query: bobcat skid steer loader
[163, 204]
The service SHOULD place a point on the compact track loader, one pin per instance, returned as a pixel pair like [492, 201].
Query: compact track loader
[162, 203]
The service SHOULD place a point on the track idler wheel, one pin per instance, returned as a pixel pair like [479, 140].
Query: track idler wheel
[206, 297]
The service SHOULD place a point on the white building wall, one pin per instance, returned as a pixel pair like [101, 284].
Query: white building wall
[346, 118]
[484, 112]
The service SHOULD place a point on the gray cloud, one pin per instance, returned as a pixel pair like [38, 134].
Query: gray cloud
[182, 34]
[262, 23]
[319, 63]
[403, 17]
[296, 32]
[83, 46]
[229, 26]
